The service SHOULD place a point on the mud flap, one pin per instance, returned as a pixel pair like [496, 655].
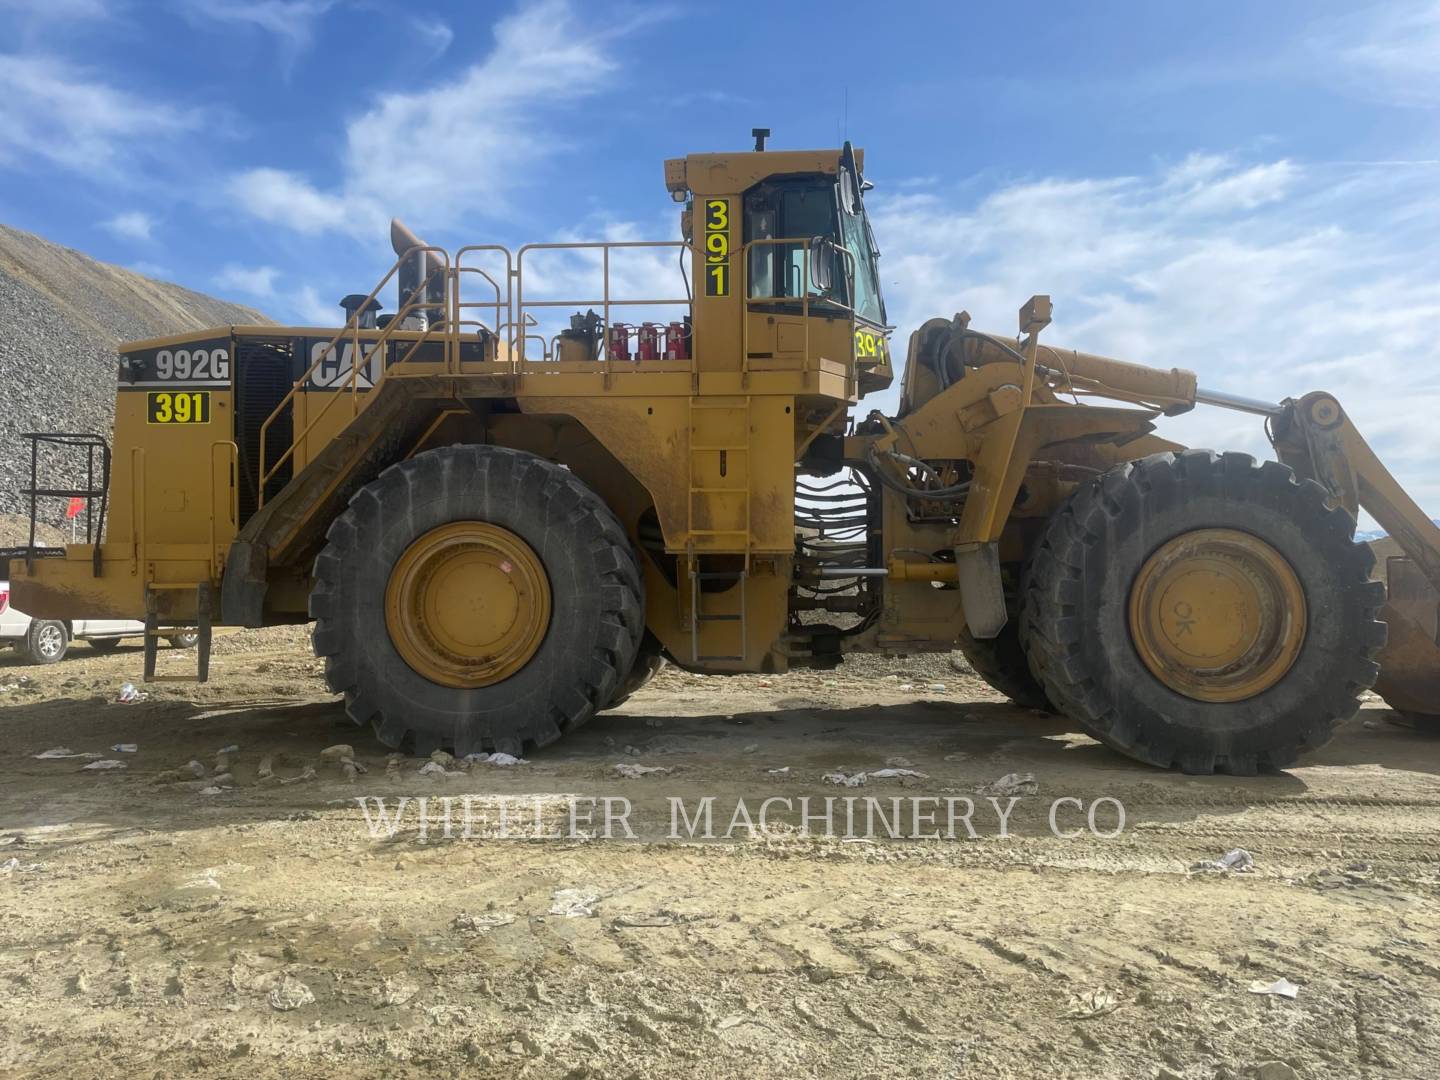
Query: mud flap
[242, 589]
[982, 593]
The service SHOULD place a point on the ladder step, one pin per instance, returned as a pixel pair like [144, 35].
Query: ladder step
[731, 449]
[171, 678]
[735, 658]
[717, 618]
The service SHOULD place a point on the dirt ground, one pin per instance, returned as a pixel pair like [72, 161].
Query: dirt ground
[150, 928]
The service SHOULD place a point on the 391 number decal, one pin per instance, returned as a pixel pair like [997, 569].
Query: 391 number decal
[717, 247]
[181, 407]
[869, 344]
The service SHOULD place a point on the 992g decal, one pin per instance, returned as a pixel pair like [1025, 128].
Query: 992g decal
[193, 364]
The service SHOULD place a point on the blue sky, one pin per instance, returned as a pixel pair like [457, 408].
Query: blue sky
[1246, 189]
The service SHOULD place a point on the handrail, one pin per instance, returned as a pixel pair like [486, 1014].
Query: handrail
[138, 511]
[232, 509]
[357, 361]
[803, 244]
[503, 306]
[605, 301]
[512, 318]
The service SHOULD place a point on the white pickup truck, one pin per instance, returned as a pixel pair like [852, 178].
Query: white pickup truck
[45, 641]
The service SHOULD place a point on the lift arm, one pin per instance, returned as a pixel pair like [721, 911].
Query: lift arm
[1315, 437]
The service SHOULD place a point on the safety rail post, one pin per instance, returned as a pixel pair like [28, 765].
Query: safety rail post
[606, 301]
[502, 305]
[804, 246]
[357, 361]
[137, 511]
[232, 507]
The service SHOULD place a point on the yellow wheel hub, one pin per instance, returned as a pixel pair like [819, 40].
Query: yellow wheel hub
[467, 604]
[1217, 615]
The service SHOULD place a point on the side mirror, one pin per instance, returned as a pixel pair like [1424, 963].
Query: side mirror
[822, 264]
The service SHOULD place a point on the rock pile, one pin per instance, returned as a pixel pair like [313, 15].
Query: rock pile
[62, 314]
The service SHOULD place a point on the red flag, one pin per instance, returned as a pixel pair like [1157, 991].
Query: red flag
[76, 505]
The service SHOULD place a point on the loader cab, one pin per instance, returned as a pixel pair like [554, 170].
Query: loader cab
[784, 264]
[839, 263]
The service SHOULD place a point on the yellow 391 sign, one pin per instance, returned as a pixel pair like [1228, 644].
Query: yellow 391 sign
[717, 247]
[178, 407]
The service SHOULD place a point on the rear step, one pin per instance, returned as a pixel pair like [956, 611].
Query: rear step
[154, 632]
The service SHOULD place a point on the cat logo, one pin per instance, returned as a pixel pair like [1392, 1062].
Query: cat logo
[333, 365]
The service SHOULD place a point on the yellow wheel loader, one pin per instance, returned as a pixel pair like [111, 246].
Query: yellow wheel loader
[501, 524]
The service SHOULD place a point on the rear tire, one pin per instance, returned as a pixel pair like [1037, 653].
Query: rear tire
[47, 641]
[1002, 663]
[187, 640]
[649, 662]
[1310, 671]
[553, 679]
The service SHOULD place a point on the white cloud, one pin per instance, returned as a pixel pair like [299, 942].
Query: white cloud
[53, 110]
[1267, 279]
[465, 145]
[291, 22]
[131, 225]
[1389, 52]
[251, 280]
[434, 33]
[311, 310]
[1211, 185]
[287, 199]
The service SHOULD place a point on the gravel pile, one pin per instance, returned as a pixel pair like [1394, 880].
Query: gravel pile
[62, 314]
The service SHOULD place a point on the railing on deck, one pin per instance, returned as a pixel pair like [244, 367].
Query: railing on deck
[605, 301]
[511, 319]
[89, 494]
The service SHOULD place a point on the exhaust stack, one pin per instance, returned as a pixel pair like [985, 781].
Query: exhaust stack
[422, 270]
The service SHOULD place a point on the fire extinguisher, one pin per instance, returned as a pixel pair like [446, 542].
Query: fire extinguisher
[619, 342]
[677, 342]
[648, 342]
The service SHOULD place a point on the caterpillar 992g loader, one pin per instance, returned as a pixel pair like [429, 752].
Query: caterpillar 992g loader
[499, 532]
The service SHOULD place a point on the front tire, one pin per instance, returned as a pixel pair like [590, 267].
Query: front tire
[1205, 612]
[476, 598]
[47, 641]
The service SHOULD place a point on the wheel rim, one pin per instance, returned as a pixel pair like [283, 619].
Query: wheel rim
[50, 641]
[1217, 615]
[467, 604]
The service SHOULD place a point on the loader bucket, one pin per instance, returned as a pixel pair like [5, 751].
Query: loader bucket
[1410, 662]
